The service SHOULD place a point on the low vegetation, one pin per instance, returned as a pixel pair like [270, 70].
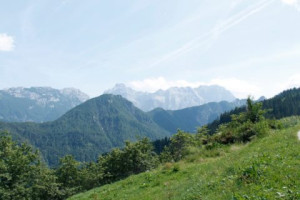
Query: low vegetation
[266, 168]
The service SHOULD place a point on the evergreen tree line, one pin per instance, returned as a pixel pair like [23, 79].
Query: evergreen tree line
[24, 176]
[282, 105]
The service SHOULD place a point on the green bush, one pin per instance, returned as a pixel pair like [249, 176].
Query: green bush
[22, 175]
[179, 146]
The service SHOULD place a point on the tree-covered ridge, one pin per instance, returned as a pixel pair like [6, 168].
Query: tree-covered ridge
[282, 105]
[88, 130]
[189, 119]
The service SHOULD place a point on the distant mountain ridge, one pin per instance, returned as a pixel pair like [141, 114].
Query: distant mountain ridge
[37, 104]
[188, 119]
[173, 98]
[105, 122]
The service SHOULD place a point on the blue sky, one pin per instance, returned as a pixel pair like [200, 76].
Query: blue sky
[248, 46]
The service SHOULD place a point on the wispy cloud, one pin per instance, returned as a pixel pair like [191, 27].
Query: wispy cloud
[239, 17]
[295, 3]
[210, 36]
[6, 42]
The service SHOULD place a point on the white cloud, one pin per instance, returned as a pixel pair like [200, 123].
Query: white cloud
[154, 84]
[290, 2]
[293, 81]
[6, 42]
[295, 3]
[240, 88]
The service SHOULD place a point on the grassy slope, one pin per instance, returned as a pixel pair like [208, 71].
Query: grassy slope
[267, 168]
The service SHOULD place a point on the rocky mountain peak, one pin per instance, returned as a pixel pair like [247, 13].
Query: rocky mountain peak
[173, 98]
[38, 103]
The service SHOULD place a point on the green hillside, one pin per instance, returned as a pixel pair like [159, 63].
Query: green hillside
[88, 130]
[189, 119]
[266, 168]
[284, 104]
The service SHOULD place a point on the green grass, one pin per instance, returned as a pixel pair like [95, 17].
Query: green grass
[267, 168]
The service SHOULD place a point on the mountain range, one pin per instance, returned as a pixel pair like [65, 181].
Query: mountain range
[105, 122]
[92, 128]
[41, 104]
[38, 104]
[173, 98]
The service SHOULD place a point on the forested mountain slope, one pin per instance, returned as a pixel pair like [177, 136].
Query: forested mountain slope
[88, 130]
[189, 119]
[284, 104]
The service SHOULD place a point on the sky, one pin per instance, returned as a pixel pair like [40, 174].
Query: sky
[250, 47]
